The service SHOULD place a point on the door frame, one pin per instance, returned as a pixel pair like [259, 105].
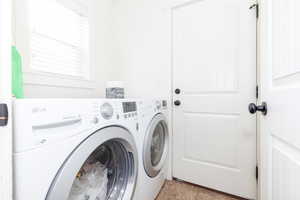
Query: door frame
[6, 182]
[259, 24]
[258, 80]
[262, 26]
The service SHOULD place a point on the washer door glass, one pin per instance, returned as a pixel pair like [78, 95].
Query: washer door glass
[104, 175]
[155, 145]
[103, 167]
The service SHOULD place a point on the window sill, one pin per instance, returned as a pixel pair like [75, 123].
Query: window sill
[57, 80]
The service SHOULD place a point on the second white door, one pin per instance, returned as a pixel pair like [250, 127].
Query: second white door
[214, 72]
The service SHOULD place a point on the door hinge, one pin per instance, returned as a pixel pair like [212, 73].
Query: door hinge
[257, 92]
[256, 173]
[3, 114]
[256, 6]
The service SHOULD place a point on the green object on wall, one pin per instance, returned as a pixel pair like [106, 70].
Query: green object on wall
[17, 75]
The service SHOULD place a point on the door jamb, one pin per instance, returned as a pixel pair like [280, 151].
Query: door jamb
[259, 49]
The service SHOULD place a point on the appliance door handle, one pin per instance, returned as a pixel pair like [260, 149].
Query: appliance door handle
[57, 124]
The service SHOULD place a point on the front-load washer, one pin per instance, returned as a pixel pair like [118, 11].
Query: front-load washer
[74, 149]
[153, 144]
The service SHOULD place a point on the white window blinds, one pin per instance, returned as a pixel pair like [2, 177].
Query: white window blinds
[59, 38]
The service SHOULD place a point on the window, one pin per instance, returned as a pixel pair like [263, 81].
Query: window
[54, 40]
[59, 37]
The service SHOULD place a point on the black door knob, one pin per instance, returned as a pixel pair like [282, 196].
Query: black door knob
[177, 103]
[177, 91]
[253, 108]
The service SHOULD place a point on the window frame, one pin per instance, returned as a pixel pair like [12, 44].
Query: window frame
[33, 76]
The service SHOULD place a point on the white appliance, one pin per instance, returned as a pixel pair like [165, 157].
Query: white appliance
[55, 138]
[153, 147]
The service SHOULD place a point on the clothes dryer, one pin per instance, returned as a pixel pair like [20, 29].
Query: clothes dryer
[153, 148]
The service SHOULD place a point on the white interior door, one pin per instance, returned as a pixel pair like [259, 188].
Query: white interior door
[5, 98]
[280, 79]
[214, 66]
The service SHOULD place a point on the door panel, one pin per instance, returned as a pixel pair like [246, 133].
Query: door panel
[198, 146]
[214, 66]
[285, 160]
[280, 78]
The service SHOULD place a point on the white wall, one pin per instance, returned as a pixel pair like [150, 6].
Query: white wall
[142, 36]
[142, 33]
[101, 59]
[132, 44]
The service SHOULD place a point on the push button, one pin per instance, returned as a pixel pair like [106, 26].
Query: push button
[95, 120]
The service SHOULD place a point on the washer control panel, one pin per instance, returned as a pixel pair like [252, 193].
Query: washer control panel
[107, 111]
[130, 115]
[129, 109]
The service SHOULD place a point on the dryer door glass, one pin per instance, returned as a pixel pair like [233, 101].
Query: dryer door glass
[157, 144]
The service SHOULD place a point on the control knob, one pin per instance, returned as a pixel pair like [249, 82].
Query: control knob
[106, 111]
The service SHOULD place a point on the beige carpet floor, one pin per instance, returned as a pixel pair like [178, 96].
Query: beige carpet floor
[174, 190]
